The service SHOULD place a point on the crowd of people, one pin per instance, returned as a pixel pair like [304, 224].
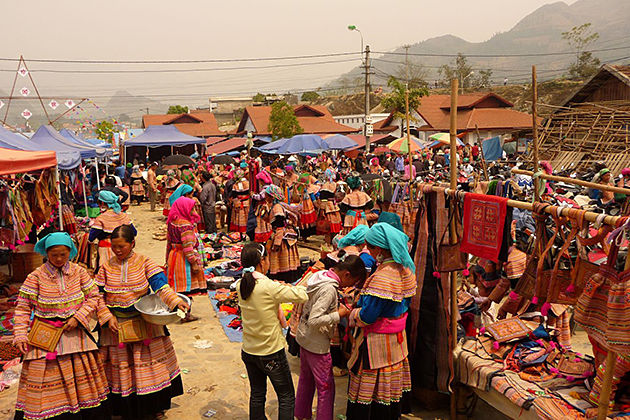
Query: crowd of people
[274, 201]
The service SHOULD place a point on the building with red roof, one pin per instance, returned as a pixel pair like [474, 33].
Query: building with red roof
[486, 113]
[314, 119]
[198, 123]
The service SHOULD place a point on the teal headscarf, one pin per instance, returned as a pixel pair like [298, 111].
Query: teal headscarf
[181, 191]
[56, 238]
[388, 237]
[355, 237]
[392, 219]
[110, 199]
[353, 182]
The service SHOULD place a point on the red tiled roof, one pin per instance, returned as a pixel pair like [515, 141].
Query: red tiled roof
[226, 146]
[196, 123]
[212, 140]
[314, 119]
[360, 139]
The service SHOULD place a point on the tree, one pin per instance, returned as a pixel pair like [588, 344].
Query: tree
[483, 79]
[580, 37]
[310, 96]
[395, 100]
[414, 74]
[105, 131]
[282, 122]
[177, 109]
[259, 97]
[460, 70]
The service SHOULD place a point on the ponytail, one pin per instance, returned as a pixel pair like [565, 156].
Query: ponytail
[251, 256]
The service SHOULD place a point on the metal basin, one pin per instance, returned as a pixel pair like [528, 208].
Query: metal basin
[153, 310]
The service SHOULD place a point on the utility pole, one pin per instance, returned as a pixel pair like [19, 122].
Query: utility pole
[368, 121]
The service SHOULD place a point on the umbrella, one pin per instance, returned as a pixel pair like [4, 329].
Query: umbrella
[223, 160]
[402, 146]
[178, 160]
[438, 143]
[340, 142]
[302, 143]
[271, 147]
[441, 137]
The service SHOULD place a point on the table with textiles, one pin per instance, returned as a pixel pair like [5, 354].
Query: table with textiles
[530, 377]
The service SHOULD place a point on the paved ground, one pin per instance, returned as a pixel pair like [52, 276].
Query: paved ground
[215, 378]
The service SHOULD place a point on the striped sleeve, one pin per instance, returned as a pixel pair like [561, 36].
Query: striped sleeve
[26, 300]
[91, 298]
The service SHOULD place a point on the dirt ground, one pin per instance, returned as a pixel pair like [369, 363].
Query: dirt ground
[215, 378]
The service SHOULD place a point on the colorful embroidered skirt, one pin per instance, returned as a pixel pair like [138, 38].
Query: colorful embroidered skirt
[142, 378]
[353, 219]
[285, 260]
[137, 189]
[308, 215]
[384, 386]
[67, 384]
[238, 223]
[263, 231]
[180, 276]
[331, 213]
[69, 221]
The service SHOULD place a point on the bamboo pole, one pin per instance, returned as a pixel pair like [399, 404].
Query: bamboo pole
[58, 182]
[535, 133]
[587, 184]
[453, 233]
[411, 179]
[483, 159]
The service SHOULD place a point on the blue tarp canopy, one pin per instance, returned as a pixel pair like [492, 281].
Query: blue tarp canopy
[492, 149]
[303, 143]
[99, 143]
[163, 135]
[67, 158]
[79, 141]
[340, 142]
[46, 136]
[271, 147]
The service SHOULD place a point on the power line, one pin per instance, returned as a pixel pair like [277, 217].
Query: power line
[218, 60]
[271, 66]
[502, 55]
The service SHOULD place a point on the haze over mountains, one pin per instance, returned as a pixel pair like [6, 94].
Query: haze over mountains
[539, 32]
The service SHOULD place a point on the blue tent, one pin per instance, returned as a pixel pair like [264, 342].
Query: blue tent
[163, 135]
[78, 140]
[99, 143]
[492, 149]
[271, 147]
[303, 143]
[340, 142]
[46, 136]
[67, 158]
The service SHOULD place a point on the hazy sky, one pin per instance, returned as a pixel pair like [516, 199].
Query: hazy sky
[210, 29]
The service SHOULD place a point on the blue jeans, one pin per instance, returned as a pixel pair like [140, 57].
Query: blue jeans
[276, 367]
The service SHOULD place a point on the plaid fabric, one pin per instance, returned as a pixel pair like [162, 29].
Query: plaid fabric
[69, 221]
[66, 384]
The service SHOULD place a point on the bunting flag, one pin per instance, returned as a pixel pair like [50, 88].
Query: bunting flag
[69, 103]
[27, 114]
[53, 104]
[25, 91]
[22, 71]
[1, 104]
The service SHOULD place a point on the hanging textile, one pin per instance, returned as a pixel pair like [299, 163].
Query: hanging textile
[484, 219]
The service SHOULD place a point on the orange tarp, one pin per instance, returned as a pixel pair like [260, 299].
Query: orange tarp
[19, 161]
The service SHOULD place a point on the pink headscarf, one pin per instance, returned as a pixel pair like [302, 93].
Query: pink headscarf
[183, 209]
[625, 171]
[264, 177]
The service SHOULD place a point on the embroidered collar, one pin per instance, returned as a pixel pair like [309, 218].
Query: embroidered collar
[53, 271]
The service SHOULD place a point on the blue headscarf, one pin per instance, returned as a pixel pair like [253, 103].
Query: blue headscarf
[181, 191]
[110, 199]
[56, 238]
[392, 219]
[386, 236]
[355, 237]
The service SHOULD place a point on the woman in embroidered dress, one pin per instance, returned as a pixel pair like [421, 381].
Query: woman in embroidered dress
[305, 191]
[284, 256]
[240, 204]
[263, 229]
[328, 210]
[183, 261]
[379, 370]
[144, 375]
[105, 224]
[70, 381]
[137, 185]
[354, 205]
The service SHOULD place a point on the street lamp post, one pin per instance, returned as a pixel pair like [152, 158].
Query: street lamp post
[366, 67]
